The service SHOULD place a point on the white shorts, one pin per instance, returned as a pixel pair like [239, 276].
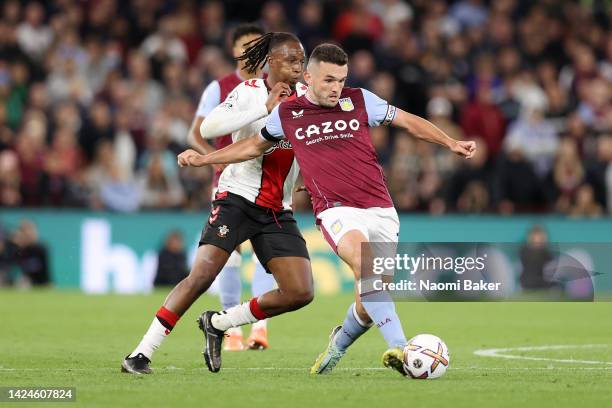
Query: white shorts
[376, 223]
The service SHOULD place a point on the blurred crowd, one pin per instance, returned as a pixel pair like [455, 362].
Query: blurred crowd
[24, 259]
[97, 97]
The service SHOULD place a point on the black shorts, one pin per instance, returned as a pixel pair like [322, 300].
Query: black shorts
[233, 219]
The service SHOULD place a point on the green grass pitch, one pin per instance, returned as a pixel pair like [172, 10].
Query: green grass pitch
[52, 338]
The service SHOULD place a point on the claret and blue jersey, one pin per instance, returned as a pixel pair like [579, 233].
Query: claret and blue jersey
[334, 149]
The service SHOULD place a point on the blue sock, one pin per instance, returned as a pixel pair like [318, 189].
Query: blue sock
[262, 281]
[230, 286]
[352, 329]
[381, 310]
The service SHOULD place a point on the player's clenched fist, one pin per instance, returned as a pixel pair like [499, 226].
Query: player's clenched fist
[191, 158]
[278, 92]
[464, 148]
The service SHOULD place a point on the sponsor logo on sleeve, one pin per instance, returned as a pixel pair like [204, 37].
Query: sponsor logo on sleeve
[390, 115]
[231, 99]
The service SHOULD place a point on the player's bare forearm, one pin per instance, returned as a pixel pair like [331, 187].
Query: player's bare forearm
[240, 151]
[422, 128]
[427, 131]
[195, 140]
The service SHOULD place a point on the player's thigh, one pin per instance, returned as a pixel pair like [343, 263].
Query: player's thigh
[209, 260]
[355, 250]
[293, 275]
[336, 222]
[278, 238]
[281, 249]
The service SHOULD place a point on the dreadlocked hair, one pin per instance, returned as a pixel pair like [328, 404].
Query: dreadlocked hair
[257, 50]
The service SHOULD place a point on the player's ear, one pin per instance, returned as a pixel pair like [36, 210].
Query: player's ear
[237, 50]
[308, 77]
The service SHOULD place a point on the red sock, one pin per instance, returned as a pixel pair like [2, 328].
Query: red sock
[167, 318]
[256, 310]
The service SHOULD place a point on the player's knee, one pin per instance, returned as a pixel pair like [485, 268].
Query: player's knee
[354, 263]
[361, 265]
[302, 297]
[202, 275]
[196, 282]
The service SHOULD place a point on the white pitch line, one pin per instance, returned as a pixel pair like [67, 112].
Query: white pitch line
[162, 369]
[497, 352]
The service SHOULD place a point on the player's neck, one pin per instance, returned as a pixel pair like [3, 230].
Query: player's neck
[310, 97]
[272, 80]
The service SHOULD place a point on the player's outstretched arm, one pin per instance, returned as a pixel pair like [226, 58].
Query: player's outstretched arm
[239, 109]
[242, 150]
[195, 141]
[425, 130]
[229, 117]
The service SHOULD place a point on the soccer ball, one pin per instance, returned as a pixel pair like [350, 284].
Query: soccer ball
[426, 357]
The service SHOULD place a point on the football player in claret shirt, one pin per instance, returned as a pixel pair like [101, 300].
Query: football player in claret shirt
[328, 128]
[252, 203]
[230, 285]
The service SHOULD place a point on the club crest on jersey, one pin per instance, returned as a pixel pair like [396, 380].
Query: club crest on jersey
[346, 104]
[297, 114]
[223, 230]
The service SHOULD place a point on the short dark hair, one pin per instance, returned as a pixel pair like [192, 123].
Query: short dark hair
[245, 29]
[331, 53]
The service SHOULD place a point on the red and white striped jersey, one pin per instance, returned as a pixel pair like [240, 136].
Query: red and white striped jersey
[268, 180]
